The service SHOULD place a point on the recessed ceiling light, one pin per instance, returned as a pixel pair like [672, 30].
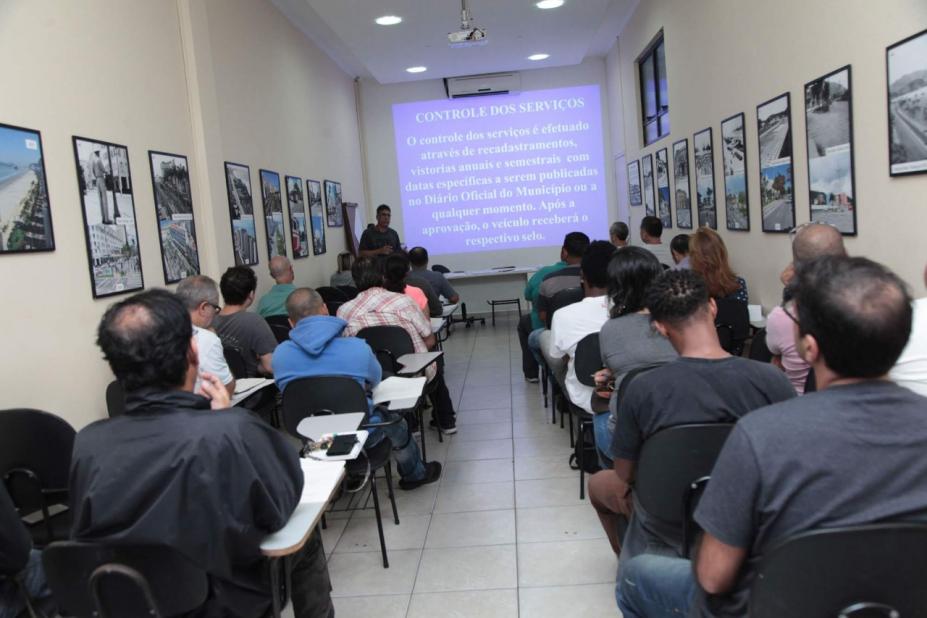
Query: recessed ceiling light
[392, 20]
[416, 69]
[538, 56]
[549, 4]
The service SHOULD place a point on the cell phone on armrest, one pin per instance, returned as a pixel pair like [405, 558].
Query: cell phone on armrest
[342, 444]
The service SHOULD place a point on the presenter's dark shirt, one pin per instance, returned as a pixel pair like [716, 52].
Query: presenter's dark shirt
[210, 484]
[372, 239]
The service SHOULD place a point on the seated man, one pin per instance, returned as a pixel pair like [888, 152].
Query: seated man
[173, 472]
[848, 455]
[247, 332]
[573, 322]
[418, 257]
[376, 306]
[618, 234]
[316, 348]
[652, 239]
[679, 248]
[200, 296]
[910, 370]
[274, 301]
[704, 385]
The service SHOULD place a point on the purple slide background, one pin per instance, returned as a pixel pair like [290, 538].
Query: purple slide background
[453, 219]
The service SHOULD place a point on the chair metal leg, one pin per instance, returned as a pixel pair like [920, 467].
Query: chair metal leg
[376, 508]
[518, 301]
[492, 306]
[324, 523]
[553, 406]
[544, 377]
[572, 440]
[421, 431]
[389, 488]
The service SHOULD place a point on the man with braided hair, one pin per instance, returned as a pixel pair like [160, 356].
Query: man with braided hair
[704, 385]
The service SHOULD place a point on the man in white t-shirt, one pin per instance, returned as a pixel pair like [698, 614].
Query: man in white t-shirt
[573, 322]
[910, 369]
[201, 298]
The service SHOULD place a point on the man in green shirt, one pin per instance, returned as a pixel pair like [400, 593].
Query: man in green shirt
[274, 301]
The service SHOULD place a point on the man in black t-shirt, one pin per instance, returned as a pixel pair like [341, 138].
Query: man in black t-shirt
[380, 239]
[848, 455]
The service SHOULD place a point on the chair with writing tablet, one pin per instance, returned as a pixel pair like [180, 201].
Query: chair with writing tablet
[553, 380]
[588, 360]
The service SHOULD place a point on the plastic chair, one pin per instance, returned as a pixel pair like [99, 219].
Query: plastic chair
[759, 351]
[733, 317]
[850, 572]
[333, 298]
[235, 361]
[99, 581]
[548, 380]
[35, 460]
[280, 325]
[588, 360]
[674, 466]
[115, 399]
[335, 395]
[349, 290]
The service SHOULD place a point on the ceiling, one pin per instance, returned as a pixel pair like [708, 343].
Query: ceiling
[345, 30]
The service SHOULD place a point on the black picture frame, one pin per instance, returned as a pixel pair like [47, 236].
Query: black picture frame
[706, 203]
[15, 165]
[734, 171]
[634, 183]
[241, 214]
[683, 190]
[272, 207]
[902, 129]
[664, 200]
[777, 178]
[316, 216]
[647, 186]
[296, 207]
[173, 199]
[829, 149]
[333, 199]
[112, 245]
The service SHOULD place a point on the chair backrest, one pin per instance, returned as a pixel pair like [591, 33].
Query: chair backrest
[851, 572]
[235, 361]
[321, 395]
[90, 579]
[17, 541]
[562, 299]
[440, 268]
[811, 382]
[115, 399]
[759, 351]
[349, 290]
[333, 298]
[588, 359]
[388, 343]
[734, 317]
[280, 325]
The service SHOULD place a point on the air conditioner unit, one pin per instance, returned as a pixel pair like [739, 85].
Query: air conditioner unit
[480, 85]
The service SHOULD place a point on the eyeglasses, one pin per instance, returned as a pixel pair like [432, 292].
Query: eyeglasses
[784, 307]
[209, 304]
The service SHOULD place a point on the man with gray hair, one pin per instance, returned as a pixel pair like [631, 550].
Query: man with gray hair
[618, 234]
[200, 296]
[273, 302]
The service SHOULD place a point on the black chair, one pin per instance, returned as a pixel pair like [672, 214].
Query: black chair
[349, 290]
[588, 360]
[16, 557]
[333, 298]
[548, 380]
[673, 468]
[440, 268]
[99, 581]
[733, 324]
[335, 395]
[280, 325]
[851, 572]
[115, 399]
[235, 361]
[811, 383]
[759, 351]
[35, 460]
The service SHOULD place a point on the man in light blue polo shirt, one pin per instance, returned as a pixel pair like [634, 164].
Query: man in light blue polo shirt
[274, 301]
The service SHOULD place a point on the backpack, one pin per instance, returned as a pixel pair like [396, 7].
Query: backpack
[585, 442]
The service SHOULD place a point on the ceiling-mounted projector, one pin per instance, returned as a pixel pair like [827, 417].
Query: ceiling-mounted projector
[468, 35]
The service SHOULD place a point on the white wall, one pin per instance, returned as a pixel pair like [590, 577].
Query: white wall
[725, 57]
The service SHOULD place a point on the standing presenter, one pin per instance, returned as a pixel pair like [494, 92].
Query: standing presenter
[380, 239]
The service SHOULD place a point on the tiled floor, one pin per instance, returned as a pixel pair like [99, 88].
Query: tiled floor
[503, 534]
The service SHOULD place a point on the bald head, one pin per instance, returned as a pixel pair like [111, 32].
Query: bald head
[280, 269]
[304, 303]
[817, 240]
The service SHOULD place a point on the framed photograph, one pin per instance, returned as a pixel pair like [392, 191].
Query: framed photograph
[734, 160]
[906, 66]
[647, 185]
[774, 127]
[108, 208]
[703, 150]
[663, 191]
[634, 183]
[170, 179]
[333, 203]
[681, 180]
[273, 213]
[829, 132]
[316, 216]
[299, 234]
[25, 213]
[241, 211]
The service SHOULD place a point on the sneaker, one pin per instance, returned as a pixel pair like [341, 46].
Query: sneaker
[532, 380]
[432, 474]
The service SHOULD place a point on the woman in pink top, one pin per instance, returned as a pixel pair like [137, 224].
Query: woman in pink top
[394, 279]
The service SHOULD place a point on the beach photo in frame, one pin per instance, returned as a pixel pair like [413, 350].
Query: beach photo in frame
[241, 213]
[104, 182]
[681, 181]
[333, 203]
[634, 183]
[829, 139]
[316, 216]
[170, 180]
[777, 195]
[663, 190]
[272, 203]
[25, 212]
[703, 152]
[647, 185]
[734, 161]
[296, 204]
[906, 68]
